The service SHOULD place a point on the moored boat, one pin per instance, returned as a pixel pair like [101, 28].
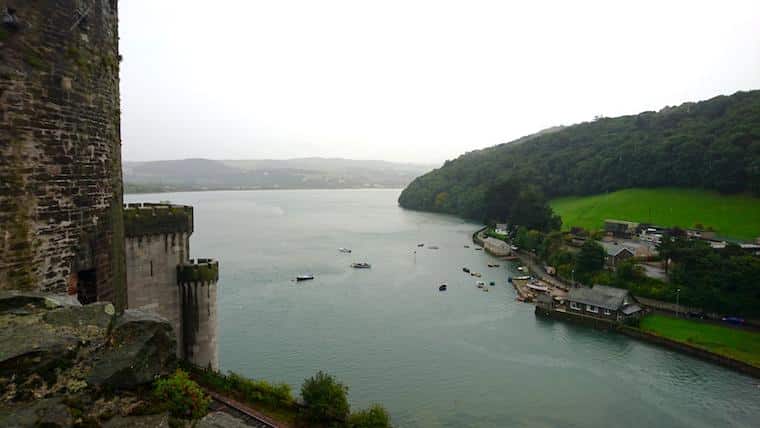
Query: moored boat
[465, 270]
[344, 250]
[305, 277]
[420, 245]
[361, 265]
[537, 287]
[442, 287]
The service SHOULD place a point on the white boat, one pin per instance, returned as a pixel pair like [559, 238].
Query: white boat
[537, 287]
[480, 284]
[522, 278]
[361, 265]
[304, 277]
[344, 250]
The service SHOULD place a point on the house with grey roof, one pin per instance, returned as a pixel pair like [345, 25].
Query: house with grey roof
[616, 253]
[602, 301]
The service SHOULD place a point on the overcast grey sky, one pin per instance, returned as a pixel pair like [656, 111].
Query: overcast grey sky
[416, 81]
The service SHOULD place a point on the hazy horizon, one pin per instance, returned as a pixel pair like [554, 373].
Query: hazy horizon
[416, 82]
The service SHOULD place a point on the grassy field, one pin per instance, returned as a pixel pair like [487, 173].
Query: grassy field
[734, 216]
[742, 345]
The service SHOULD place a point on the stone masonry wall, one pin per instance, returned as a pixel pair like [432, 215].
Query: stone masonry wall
[152, 262]
[60, 147]
[198, 282]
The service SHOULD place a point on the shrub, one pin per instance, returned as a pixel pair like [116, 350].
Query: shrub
[374, 417]
[325, 399]
[245, 389]
[183, 397]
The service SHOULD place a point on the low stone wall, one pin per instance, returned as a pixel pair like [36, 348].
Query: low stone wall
[636, 333]
[694, 351]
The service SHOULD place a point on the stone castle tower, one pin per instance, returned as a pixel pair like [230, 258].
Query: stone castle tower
[161, 277]
[60, 149]
[62, 221]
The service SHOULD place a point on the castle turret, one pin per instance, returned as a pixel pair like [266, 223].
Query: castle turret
[198, 281]
[60, 149]
[162, 278]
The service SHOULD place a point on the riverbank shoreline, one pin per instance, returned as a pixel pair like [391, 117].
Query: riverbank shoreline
[635, 333]
[644, 336]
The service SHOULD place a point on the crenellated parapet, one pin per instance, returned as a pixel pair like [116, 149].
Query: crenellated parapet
[199, 271]
[157, 219]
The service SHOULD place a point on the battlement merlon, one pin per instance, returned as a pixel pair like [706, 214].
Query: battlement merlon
[202, 271]
[157, 219]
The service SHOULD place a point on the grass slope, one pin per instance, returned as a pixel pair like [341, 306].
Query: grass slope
[735, 216]
[742, 345]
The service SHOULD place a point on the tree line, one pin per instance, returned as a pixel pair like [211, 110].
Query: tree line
[713, 144]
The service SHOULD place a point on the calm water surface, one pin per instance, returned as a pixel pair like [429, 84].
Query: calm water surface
[459, 358]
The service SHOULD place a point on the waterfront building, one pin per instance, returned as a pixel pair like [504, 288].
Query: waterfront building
[604, 302]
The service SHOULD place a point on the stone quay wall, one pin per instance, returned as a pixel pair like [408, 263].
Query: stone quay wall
[60, 149]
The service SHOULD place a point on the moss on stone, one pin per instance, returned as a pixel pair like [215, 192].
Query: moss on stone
[200, 273]
[158, 220]
[34, 59]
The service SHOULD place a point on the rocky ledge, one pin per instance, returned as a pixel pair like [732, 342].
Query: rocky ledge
[62, 364]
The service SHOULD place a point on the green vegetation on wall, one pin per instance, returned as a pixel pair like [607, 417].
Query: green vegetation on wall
[736, 216]
[200, 273]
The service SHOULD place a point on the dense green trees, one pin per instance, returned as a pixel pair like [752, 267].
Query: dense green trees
[713, 144]
[590, 259]
[325, 399]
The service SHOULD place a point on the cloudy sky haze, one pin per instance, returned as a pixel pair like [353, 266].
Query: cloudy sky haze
[413, 81]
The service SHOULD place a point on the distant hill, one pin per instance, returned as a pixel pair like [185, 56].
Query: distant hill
[305, 173]
[713, 144]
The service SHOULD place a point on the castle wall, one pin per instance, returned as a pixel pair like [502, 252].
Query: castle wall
[152, 262]
[60, 149]
[200, 324]
[198, 280]
[162, 278]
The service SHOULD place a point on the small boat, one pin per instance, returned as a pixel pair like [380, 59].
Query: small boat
[522, 278]
[485, 289]
[476, 274]
[509, 279]
[361, 265]
[537, 287]
[420, 245]
[491, 283]
[465, 270]
[442, 287]
[480, 284]
[521, 268]
[513, 248]
[467, 246]
[478, 249]
[432, 247]
[304, 277]
[344, 250]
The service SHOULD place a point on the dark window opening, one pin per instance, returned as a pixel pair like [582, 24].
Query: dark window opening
[87, 287]
[151, 268]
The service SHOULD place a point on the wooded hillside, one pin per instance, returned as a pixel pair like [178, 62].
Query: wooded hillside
[713, 144]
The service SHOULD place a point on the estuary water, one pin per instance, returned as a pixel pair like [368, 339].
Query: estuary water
[460, 358]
